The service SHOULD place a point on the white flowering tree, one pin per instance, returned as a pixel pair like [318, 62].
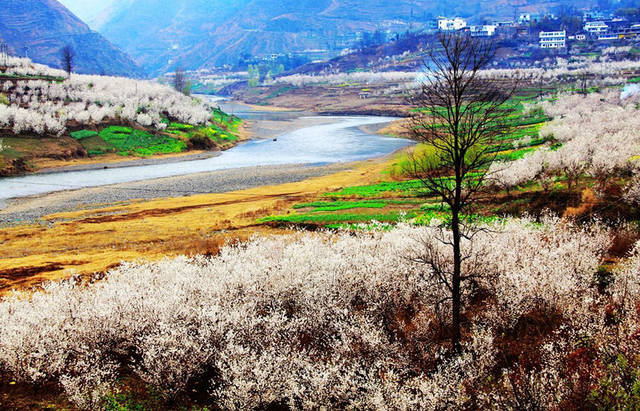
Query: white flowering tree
[46, 106]
[313, 320]
[598, 138]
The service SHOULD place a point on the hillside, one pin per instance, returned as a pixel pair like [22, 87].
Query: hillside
[45, 26]
[45, 116]
[198, 33]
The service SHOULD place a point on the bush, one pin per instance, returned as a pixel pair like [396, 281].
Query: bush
[336, 321]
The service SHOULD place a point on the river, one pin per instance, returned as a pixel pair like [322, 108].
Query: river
[336, 139]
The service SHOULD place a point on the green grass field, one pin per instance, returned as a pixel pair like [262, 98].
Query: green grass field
[377, 190]
[82, 134]
[127, 141]
[324, 219]
[323, 206]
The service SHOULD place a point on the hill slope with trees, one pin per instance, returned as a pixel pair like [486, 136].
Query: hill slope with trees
[197, 33]
[40, 28]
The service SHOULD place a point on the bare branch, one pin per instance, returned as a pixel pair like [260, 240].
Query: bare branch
[459, 116]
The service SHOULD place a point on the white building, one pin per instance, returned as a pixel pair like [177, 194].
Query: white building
[608, 37]
[457, 23]
[553, 39]
[596, 27]
[504, 23]
[483, 31]
[592, 15]
[4, 54]
[524, 18]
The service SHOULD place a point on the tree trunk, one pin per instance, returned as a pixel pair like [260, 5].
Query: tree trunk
[455, 281]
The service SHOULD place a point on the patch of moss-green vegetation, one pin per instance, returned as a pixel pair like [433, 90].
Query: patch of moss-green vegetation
[128, 141]
[213, 133]
[82, 134]
[532, 130]
[8, 155]
[325, 206]
[96, 146]
[220, 132]
[148, 399]
[230, 122]
[180, 127]
[323, 219]
[515, 154]
[377, 190]
[533, 142]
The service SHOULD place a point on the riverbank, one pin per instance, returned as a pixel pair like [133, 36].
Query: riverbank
[31, 210]
[330, 99]
[304, 140]
[43, 244]
[248, 130]
[28, 154]
[118, 162]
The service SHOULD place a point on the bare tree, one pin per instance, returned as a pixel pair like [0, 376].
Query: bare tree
[583, 82]
[180, 82]
[67, 57]
[459, 115]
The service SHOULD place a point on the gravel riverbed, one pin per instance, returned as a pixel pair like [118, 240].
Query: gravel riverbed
[34, 209]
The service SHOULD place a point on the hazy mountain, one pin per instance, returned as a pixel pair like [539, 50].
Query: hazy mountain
[202, 33]
[88, 10]
[42, 27]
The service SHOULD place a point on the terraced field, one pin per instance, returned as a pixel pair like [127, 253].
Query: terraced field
[403, 199]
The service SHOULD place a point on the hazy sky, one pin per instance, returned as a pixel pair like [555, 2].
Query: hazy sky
[86, 9]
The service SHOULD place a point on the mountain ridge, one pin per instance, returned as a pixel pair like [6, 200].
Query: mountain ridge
[202, 34]
[40, 28]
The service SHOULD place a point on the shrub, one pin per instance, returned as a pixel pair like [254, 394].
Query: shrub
[318, 320]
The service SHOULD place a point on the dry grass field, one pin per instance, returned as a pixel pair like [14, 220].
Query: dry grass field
[89, 241]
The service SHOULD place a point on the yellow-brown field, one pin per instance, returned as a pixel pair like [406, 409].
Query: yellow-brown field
[89, 241]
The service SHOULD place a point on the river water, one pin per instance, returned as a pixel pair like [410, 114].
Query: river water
[339, 140]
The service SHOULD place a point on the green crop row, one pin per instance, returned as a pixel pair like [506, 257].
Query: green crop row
[374, 190]
[391, 217]
[126, 141]
[322, 206]
[515, 155]
[82, 134]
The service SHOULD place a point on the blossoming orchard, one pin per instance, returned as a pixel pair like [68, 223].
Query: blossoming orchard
[490, 259]
[596, 134]
[313, 320]
[48, 103]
